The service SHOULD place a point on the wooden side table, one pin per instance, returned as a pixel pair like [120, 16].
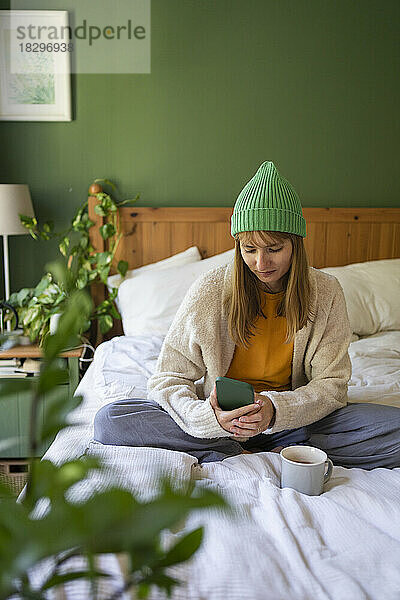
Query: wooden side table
[15, 410]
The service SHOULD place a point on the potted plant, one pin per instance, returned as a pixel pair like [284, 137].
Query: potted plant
[36, 306]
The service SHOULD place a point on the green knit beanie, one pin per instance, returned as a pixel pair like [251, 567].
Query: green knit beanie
[268, 203]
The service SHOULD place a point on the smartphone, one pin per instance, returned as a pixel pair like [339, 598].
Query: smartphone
[232, 393]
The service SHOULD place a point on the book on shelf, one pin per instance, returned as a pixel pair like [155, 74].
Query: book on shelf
[10, 362]
[19, 368]
[13, 375]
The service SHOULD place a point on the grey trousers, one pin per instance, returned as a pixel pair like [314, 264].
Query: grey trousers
[358, 435]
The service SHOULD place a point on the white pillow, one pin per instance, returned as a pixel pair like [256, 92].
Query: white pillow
[372, 292]
[182, 258]
[148, 302]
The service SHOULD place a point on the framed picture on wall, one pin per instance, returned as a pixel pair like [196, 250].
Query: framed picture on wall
[35, 65]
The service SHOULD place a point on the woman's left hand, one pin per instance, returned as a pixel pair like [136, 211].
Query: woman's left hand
[254, 424]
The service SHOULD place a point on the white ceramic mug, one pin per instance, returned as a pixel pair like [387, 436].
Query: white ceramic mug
[305, 469]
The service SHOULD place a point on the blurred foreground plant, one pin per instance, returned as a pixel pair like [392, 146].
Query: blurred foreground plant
[109, 521]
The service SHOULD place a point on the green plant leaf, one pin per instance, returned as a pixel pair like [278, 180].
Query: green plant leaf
[73, 471]
[57, 301]
[106, 322]
[76, 222]
[74, 250]
[36, 327]
[112, 293]
[53, 481]
[13, 299]
[42, 285]
[122, 267]
[183, 549]
[107, 231]
[23, 295]
[106, 206]
[103, 258]
[78, 307]
[32, 314]
[82, 279]
[57, 580]
[99, 210]
[48, 227]
[107, 307]
[92, 276]
[170, 508]
[64, 245]
[86, 326]
[50, 294]
[81, 212]
[143, 590]
[63, 276]
[28, 222]
[103, 307]
[84, 242]
[114, 313]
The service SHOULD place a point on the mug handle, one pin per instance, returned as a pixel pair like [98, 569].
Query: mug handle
[328, 473]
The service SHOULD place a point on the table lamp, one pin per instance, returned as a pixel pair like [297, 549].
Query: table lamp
[15, 200]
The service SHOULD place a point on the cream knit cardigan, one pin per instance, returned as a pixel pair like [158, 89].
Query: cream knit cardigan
[198, 345]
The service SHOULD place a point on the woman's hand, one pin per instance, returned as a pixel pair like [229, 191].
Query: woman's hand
[255, 423]
[246, 421]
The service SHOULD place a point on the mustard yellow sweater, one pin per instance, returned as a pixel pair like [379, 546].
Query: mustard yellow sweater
[267, 363]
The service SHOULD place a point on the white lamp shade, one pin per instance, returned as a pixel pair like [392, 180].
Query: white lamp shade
[15, 200]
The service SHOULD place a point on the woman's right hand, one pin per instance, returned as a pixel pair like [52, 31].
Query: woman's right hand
[226, 417]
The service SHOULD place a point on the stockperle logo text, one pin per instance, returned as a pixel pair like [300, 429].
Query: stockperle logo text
[85, 31]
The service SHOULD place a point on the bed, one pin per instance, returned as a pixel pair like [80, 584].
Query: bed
[344, 544]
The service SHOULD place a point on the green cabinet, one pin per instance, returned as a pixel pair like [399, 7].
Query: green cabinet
[15, 409]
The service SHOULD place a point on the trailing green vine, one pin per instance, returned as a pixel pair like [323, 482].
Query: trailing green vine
[35, 306]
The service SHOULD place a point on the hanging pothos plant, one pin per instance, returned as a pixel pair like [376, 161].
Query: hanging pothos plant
[35, 306]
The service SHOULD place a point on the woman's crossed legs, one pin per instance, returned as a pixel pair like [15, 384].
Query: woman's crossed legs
[358, 435]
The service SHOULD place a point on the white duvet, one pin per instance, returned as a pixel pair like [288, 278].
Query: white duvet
[342, 545]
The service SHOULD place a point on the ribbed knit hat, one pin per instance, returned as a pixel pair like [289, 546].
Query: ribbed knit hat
[268, 203]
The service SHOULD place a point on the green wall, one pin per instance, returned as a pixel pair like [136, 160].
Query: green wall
[310, 84]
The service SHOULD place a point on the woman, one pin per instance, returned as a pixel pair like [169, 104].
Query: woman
[273, 321]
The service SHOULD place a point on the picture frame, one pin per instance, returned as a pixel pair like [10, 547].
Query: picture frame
[35, 65]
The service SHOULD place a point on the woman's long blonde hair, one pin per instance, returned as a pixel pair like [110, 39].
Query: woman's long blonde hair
[242, 303]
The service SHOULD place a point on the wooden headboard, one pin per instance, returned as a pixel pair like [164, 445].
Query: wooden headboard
[335, 236]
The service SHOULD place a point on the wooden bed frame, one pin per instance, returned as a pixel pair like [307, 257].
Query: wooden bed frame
[335, 236]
